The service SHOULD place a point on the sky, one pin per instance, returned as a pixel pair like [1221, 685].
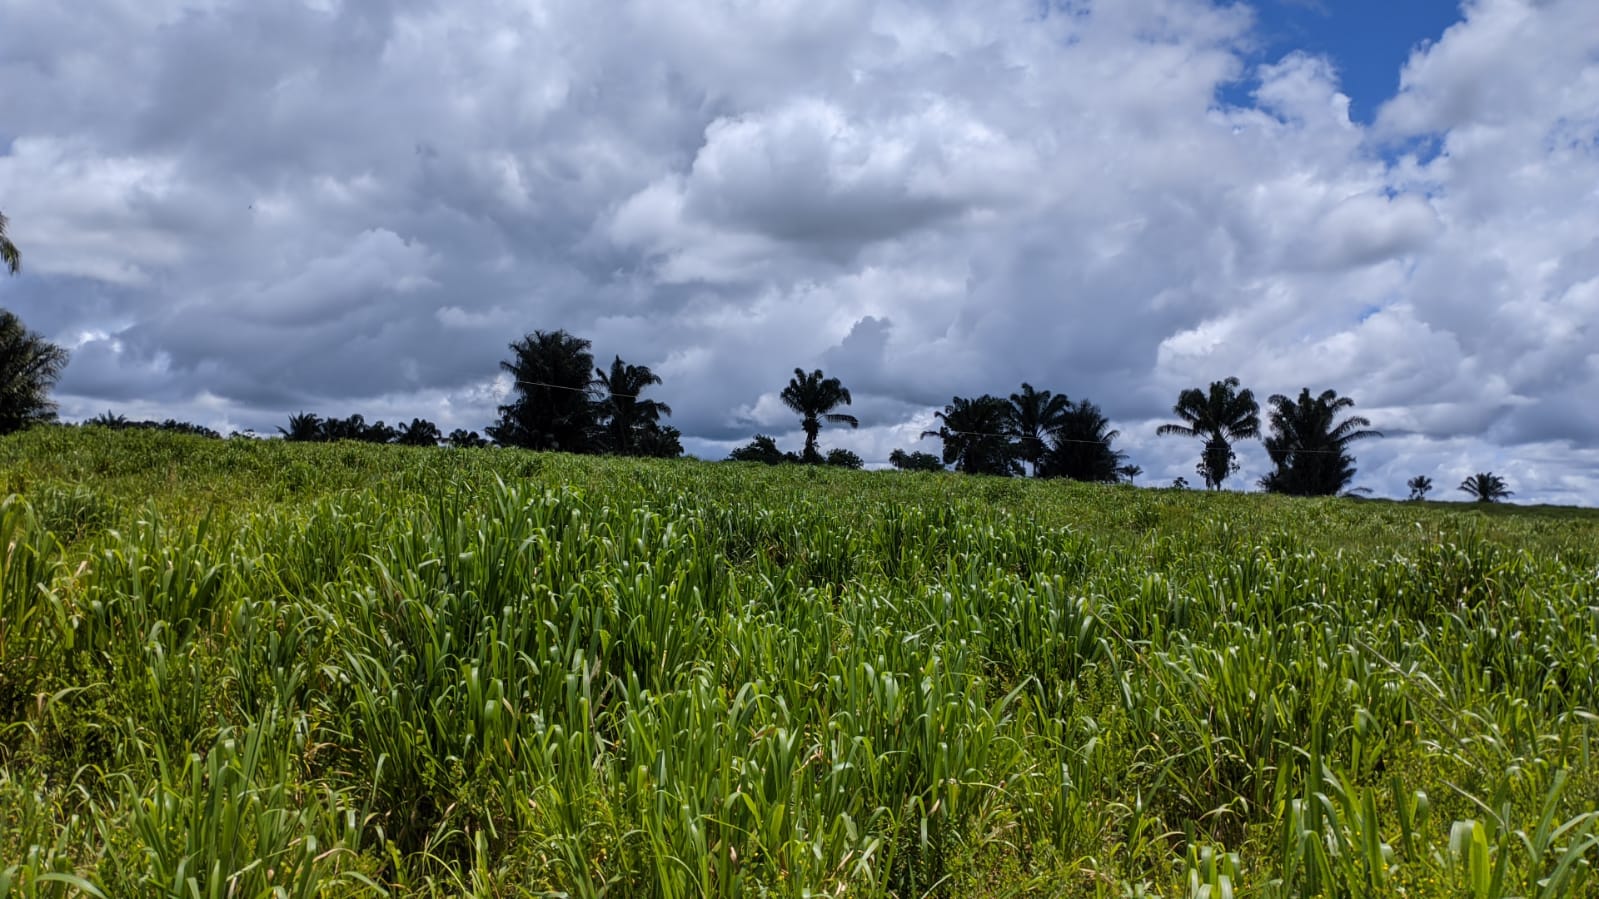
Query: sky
[231, 211]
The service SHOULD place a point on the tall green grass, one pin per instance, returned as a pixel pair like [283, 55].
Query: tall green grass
[256, 669]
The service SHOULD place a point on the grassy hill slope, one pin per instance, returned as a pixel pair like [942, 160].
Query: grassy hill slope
[245, 666]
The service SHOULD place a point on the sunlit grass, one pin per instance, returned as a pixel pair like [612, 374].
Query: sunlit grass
[253, 668]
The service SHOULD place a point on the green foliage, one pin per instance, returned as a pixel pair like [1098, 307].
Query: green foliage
[843, 458]
[29, 367]
[109, 419]
[272, 668]
[10, 256]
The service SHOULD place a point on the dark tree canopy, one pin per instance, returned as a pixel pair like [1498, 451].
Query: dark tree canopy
[1035, 416]
[1420, 486]
[420, 432]
[311, 428]
[658, 442]
[115, 422]
[552, 409]
[976, 434]
[843, 458]
[1218, 417]
[561, 402]
[814, 397]
[629, 425]
[1309, 446]
[1082, 449]
[914, 461]
[356, 428]
[29, 367]
[461, 438]
[10, 256]
[762, 449]
[1486, 487]
[305, 427]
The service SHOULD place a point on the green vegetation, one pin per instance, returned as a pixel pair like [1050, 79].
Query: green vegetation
[251, 668]
[29, 367]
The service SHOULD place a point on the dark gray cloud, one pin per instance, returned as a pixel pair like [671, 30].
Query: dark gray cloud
[231, 211]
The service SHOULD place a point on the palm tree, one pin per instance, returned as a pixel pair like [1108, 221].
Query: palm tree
[461, 438]
[1309, 447]
[914, 461]
[306, 426]
[1219, 417]
[420, 432]
[1082, 447]
[1035, 415]
[624, 412]
[1486, 487]
[976, 436]
[29, 367]
[814, 398]
[1419, 487]
[552, 372]
[10, 256]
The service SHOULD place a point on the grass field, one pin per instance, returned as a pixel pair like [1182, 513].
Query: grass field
[250, 668]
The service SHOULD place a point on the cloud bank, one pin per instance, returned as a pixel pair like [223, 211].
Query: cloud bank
[232, 211]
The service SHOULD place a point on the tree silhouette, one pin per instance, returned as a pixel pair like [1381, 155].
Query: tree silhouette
[1130, 472]
[658, 442]
[1309, 447]
[762, 449]
[843, 458]
[118, 422]
[976, 434]
[1081, 449]
[29, 367]
[814, 398]
[1035, 415]
[461, 438]
[1419, 486]
[914, 461]
[420, 432]
[553, 374]
[627, 419]
[10, 256]
[304, 427]
[1486, 487]
[1222, 415]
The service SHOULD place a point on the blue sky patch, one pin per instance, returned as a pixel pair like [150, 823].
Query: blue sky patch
[1367, 40]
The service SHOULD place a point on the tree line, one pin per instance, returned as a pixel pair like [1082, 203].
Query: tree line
[562, 402]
